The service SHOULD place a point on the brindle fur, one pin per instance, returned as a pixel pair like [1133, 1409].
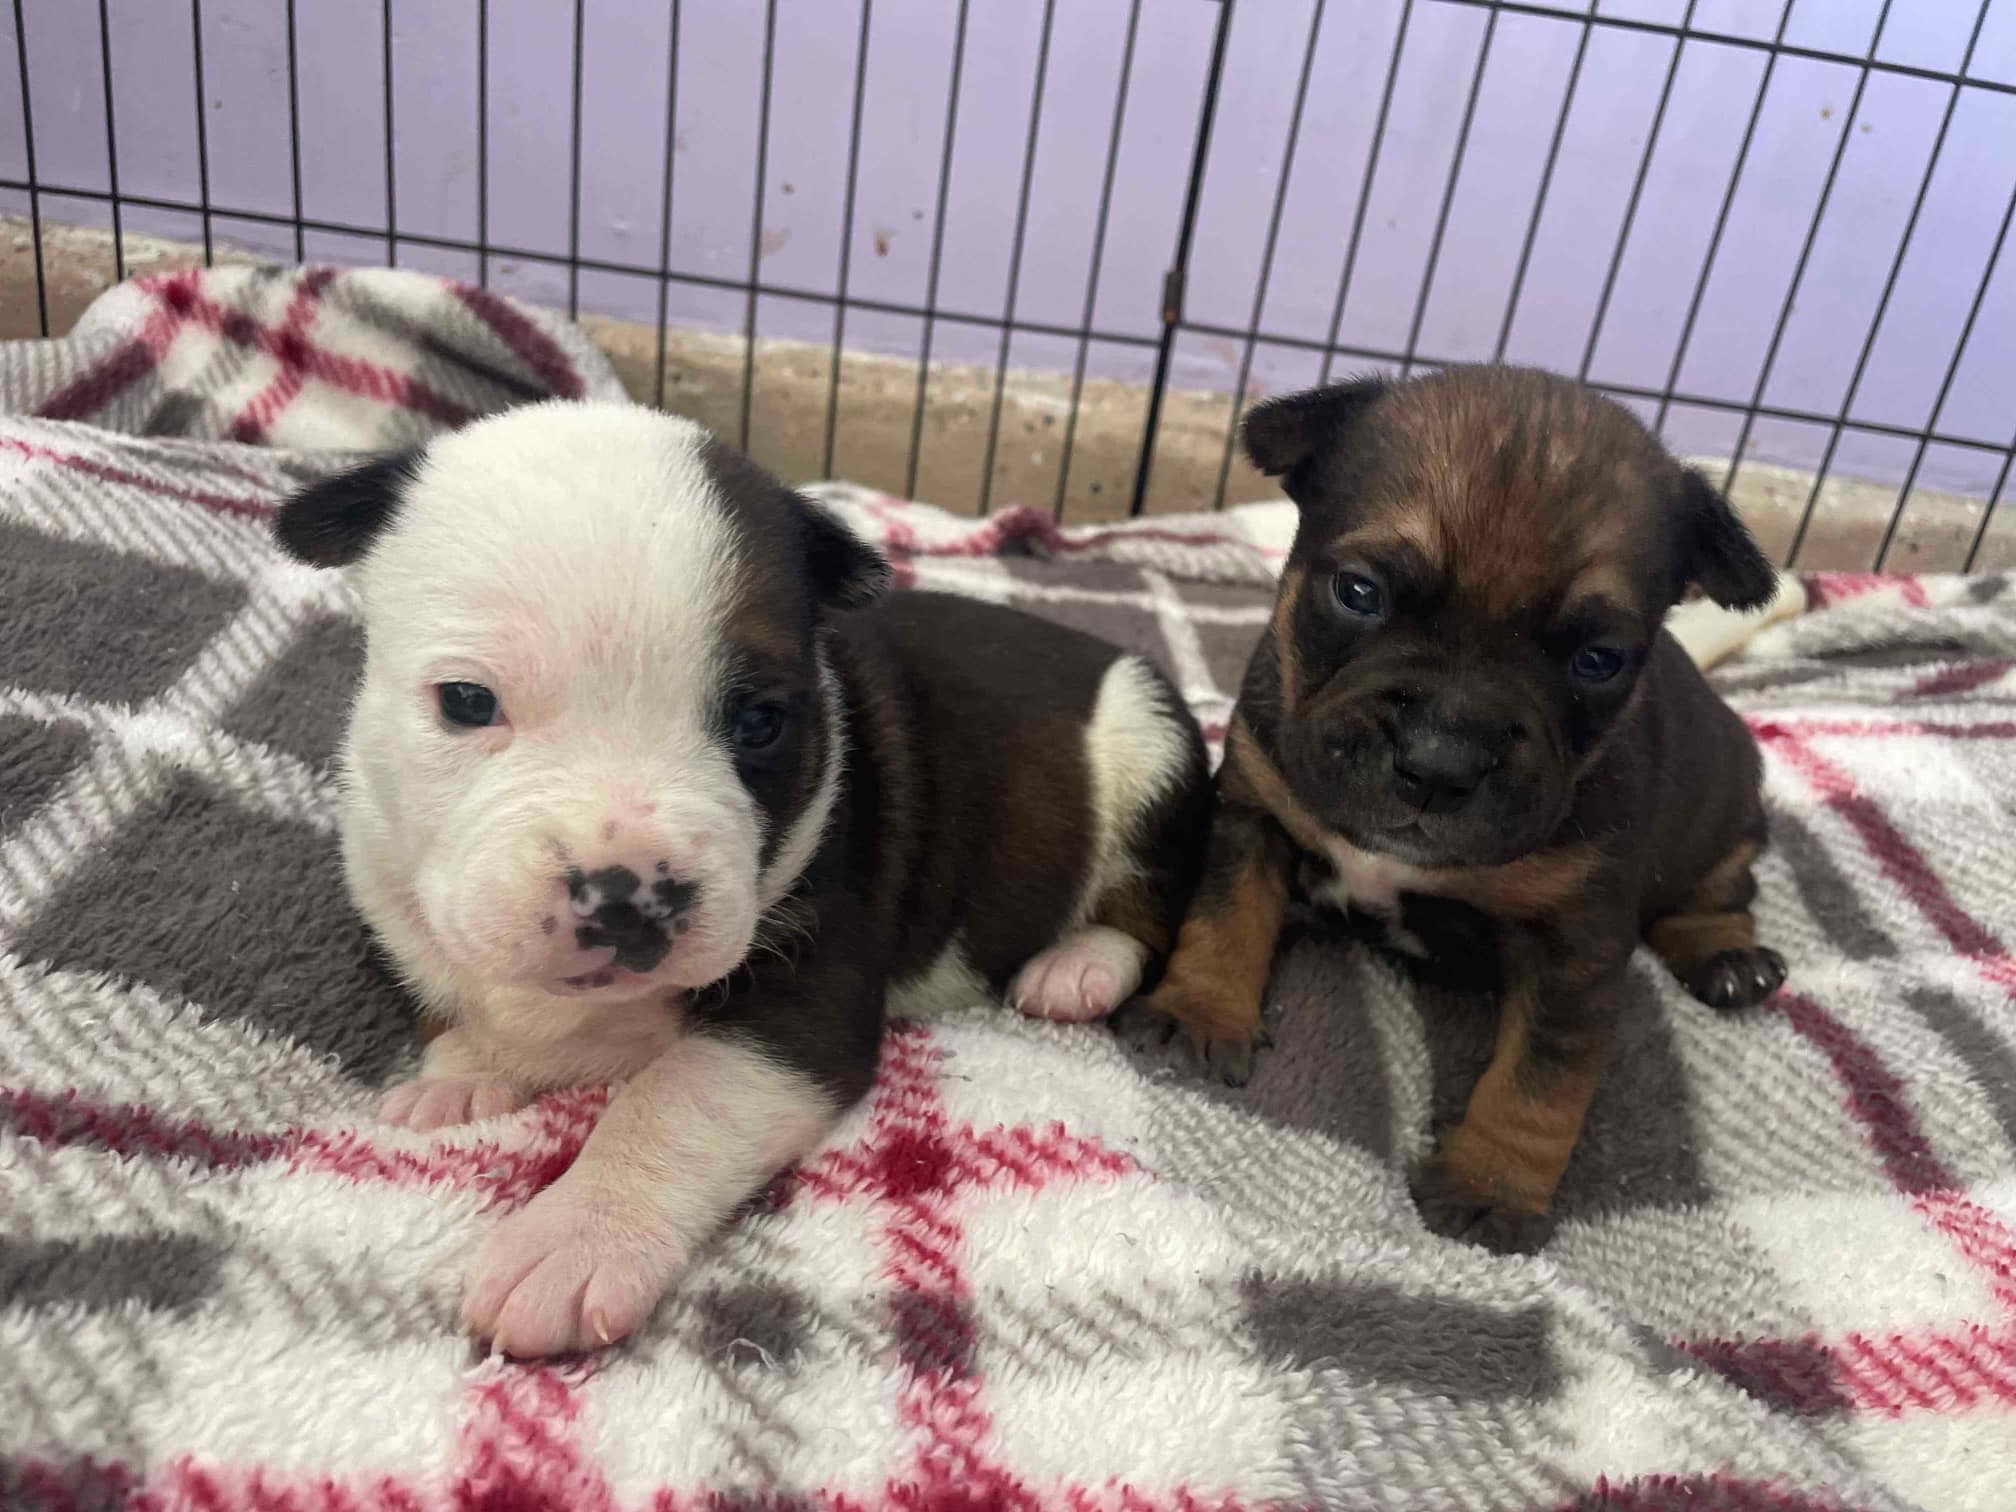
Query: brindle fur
[1499, 503]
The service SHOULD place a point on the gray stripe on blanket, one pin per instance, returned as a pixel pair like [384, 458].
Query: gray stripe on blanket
[239, 913]
[162, 1272]
[1379, 1333]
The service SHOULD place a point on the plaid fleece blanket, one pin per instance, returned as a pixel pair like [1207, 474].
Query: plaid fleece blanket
[1032, 1270]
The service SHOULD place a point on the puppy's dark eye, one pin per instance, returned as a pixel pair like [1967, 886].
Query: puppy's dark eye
[1358, 594]
[1596, 664]
[757, 728]
[470, 705]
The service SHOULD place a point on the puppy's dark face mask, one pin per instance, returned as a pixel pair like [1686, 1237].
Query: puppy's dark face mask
[1484, 560]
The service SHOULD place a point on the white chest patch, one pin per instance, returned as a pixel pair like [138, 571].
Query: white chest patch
[1369, 882]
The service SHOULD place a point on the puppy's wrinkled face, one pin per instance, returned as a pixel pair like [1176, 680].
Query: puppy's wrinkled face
[1484, 560]
[594, 740]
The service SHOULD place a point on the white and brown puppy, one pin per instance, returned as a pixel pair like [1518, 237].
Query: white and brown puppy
[644, 786]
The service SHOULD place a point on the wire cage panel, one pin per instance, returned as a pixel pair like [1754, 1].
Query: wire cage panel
[993, 251]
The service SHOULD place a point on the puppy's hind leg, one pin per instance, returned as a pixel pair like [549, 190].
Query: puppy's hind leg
[1710, 941]
[1150, 793]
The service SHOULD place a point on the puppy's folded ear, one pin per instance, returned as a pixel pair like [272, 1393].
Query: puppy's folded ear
[332, 523]
[1719, 552]
[1288, 429]
[844, 570]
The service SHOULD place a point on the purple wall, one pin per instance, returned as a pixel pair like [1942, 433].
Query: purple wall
[626, 44]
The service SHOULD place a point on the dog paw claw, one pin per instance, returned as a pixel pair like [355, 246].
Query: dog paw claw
[1738, 978]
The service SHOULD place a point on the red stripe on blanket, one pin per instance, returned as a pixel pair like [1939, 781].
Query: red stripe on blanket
[532, 346]
[1876, 1098]
[1899, 858]
[1769, 728]
[127, 1129]
[1827, 590]
[182, 294]
[230, 504]
[1940, 1370]
[1964, 678]
[505, 1176]
[520, 1442]
[250, 426]
[122, 367]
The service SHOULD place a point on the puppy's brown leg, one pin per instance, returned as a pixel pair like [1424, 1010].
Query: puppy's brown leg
[1217, 974]
[1492, 1177]
[1710, 941]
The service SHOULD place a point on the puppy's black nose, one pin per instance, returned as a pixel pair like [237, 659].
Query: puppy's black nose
[1436, 770]
[613, 907]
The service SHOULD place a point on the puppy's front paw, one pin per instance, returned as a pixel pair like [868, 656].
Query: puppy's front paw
[1219, 1048]
[567, 1273]
[1737, 978]
[1082, 977]
[435, 1103]
[1452, 1207]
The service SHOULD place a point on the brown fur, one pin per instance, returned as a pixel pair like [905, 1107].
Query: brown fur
[1508, 521]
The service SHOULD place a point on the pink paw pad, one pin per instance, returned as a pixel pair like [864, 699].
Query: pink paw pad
[1082, 977]
[432, 1103]
[562, 1276]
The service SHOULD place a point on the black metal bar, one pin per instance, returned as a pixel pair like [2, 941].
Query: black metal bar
[1545, 185]
[1449, 194]
[28, 155]
[111, 145]
[1098, 254]
[1630, 220]
[391, 173]
[574, 174]
[937, 250]
[294, 133]
[1883, 308]
[1365, 183]
[606, 265]
[1805, 253]
[483, 143]
[202, 133]
[665, 200]
[846, 242]
[1283, 175]
[1686, 32]
[1015, 254]
[1988, 513]
[1179, 267]
[1946, 383]
[1714, 249]
[756, 222]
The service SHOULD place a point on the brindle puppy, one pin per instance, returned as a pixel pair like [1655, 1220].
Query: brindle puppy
[1466, 720]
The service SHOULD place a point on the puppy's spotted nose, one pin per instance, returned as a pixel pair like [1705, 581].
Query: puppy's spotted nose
[616, 909]
[1437, 769]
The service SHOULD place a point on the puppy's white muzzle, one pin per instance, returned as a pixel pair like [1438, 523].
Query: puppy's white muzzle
[594, 888]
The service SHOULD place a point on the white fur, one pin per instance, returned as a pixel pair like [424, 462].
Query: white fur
[577, 560]
[682, 1144]
[1135, 752]
[948, 984]
[1371, 881]
[1084, 976]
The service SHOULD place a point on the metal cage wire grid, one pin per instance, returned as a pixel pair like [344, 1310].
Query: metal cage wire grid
[1688, 37]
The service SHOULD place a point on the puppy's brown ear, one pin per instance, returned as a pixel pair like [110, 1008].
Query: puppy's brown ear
[1719, 552]
[844, 570]
[1291, 428]
[332, 523]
